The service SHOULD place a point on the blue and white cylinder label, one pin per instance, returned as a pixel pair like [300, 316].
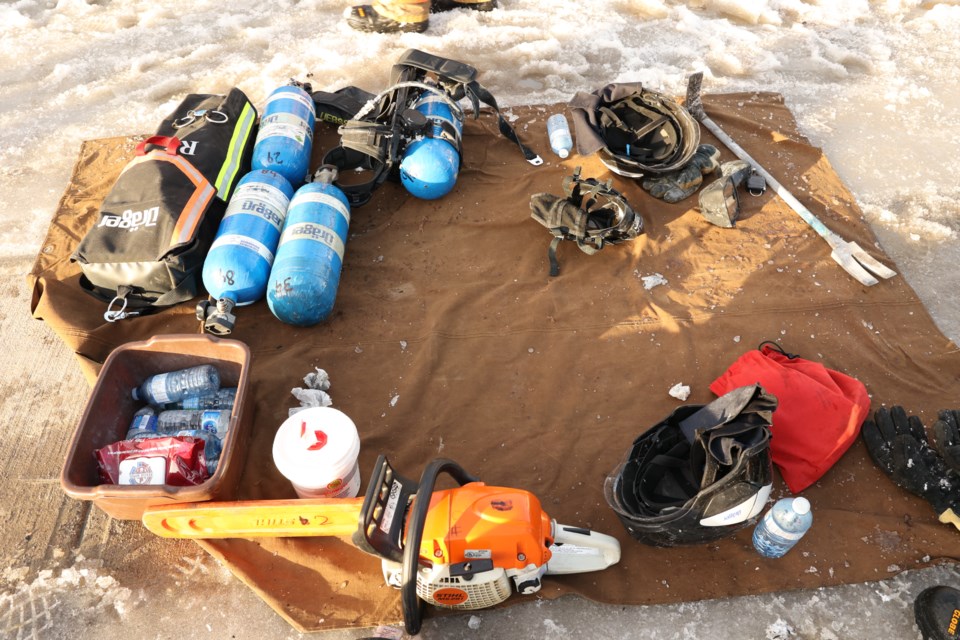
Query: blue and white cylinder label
[315, 232]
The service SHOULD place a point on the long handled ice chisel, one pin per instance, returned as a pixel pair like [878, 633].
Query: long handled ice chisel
[848, 255]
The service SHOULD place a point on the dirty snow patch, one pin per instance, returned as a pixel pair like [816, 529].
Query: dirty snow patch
[780, 630]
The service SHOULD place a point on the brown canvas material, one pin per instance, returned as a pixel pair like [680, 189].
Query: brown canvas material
[450, 339]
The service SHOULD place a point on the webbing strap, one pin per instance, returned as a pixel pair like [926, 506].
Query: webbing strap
[478, 90]
[668, 479]
[552, 254]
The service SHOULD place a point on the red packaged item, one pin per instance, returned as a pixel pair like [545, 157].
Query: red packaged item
[819, 414]
[176, 461]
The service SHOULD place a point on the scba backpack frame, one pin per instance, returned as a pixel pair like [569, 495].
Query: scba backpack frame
[146, 250]
[373, 141]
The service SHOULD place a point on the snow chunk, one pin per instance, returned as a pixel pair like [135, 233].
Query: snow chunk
[649, 282]
[680, 391]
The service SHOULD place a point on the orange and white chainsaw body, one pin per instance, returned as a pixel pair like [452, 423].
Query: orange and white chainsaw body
[436, 585]
[477, 539]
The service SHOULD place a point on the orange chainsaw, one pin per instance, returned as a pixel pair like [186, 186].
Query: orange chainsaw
[454, 548]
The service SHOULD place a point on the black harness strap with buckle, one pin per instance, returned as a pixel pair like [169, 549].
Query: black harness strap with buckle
[374, 139]
[593, 215]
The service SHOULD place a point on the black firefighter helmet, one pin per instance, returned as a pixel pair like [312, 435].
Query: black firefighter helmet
[699, 475]
[635, 132]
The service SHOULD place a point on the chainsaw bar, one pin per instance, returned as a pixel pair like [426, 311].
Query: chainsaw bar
[375, 521]
[256, 518]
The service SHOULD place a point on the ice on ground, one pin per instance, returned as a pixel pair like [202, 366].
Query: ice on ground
[655, 280]
[680, 391]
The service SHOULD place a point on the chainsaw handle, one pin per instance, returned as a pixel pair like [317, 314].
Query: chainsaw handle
[412, 604]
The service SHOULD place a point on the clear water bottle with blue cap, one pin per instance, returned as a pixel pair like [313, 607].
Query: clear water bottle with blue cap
[212, 446]
[223, 398]
[782, 527]
[559, 132]
[212, 420]
[143, 425]
[172, 386]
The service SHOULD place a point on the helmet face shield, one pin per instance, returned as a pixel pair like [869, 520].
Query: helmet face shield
[699, 475]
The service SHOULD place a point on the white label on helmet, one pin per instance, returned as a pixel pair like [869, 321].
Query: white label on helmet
[742, 512]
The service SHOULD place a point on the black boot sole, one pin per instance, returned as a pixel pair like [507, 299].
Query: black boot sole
[937, 612]
[439, 6]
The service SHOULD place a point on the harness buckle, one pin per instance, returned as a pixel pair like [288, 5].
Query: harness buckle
[213, 116]
[111, 315]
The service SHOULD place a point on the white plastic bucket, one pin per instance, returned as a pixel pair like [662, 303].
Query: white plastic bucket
[316, 449]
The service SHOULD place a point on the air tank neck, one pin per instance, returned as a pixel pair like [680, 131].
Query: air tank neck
[326, 174]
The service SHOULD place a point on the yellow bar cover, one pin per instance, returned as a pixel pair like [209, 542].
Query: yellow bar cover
[256, 518]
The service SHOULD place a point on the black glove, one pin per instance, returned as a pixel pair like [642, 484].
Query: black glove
[946, 433]
[898, 445]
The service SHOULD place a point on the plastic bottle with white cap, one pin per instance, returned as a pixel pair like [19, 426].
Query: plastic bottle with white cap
[559, 133]
[782, 527]
[316, 450]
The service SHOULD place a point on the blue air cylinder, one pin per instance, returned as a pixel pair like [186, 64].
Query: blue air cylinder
[305, 275]
[430, 165]
[285, 137]
[238, 263]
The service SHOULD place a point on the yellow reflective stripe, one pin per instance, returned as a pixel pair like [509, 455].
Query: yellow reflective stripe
[231, 166]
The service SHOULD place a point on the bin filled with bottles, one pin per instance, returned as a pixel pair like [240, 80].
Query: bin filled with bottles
[165, 423]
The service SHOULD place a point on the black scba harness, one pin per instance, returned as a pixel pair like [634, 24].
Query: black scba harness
[636, 131]
[375, 138]
[593, 215]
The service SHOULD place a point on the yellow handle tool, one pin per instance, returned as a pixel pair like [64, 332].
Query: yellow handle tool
[256, 518]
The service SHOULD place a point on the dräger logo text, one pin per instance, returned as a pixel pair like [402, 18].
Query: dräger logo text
[131, 220]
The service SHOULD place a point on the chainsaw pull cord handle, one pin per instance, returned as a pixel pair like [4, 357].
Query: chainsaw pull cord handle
[413, 605]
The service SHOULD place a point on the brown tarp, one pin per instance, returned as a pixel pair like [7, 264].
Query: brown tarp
[450, 339]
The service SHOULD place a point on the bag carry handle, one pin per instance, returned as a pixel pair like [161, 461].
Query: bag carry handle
[171, 143]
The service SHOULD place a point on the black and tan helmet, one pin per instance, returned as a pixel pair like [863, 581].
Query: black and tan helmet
[635, 132]
[699, 475]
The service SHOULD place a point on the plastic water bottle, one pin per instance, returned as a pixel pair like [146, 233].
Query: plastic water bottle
[212, 446]
[144, 424]
[214, 421]
[220, 399]
[782, 527]
[162, 388]
[559, 132]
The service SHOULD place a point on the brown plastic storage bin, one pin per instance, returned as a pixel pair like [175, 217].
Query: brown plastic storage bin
[111, 407]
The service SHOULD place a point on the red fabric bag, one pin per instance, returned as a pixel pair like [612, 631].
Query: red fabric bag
[819, 414]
